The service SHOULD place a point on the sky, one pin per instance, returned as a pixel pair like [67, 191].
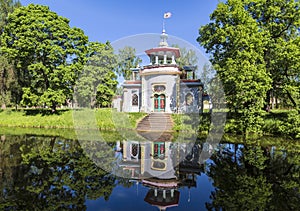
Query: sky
[111, 20]
[138, 23]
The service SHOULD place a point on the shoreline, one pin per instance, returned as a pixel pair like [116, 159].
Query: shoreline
[275, 123]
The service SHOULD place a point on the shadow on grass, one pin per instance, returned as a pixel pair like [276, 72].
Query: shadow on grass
[42, 111]
[278, 115]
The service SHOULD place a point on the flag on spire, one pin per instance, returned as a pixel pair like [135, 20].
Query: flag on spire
[167, 15]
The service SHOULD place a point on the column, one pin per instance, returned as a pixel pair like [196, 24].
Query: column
[178, 93]
[142, 159]
[165, 59]
[143, 94]
[156, 59]
[173, 59]
[124, 149]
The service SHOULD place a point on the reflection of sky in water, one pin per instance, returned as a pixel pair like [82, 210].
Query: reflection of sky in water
[192, 196]
[133, 198]
[66, 177]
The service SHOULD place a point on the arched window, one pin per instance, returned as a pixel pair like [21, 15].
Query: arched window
[135, 100]
[189, 99]
[159, 88]
[134, 151]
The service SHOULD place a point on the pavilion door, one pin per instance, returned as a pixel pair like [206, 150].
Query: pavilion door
[159, 103]
[159, 150]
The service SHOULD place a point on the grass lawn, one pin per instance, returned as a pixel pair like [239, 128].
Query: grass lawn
[103, 119]
[277, 122]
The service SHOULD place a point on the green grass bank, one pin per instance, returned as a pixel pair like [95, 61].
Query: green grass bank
[103, 119]
[275, 123]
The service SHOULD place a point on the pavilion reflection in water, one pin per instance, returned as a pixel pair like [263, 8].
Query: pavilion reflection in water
[161, 165]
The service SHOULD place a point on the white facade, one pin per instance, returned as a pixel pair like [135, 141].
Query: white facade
[162, 86]
[132, 98]
[117, 103]
[153, 81]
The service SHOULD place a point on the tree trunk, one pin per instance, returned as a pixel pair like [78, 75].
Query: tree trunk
[53, 107]
[267, 101]
[291, 99]
[52, 143]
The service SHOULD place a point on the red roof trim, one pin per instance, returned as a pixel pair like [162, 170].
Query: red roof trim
[133, 82]
[159, 49]
[190, 80]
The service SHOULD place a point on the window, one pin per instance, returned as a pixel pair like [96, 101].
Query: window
[189, 99]
[158, 165]
[134, 152]
[135, 100]
[159, 88]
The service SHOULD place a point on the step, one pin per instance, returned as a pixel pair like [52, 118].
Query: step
[156, 122]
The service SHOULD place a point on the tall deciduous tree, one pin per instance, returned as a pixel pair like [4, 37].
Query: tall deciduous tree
[6, 69]
[48, 54]
[255, 50]
[97, 82]
[279, 20]
[6, 7]
[7, 82]
[126, 60]
[187, 57]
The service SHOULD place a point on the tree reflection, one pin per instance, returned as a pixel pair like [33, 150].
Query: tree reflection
[50, 173]
[252, 177]
[54, 175]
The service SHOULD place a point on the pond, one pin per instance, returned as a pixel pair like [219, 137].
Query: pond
[55, 173]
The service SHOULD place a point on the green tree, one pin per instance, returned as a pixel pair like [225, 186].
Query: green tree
[255, 51]
[7, 84]
[279, 20]
[213, 86]
[97, 82]
[6, 7]
[48, 54]
[207, 74]
[237, 47]
[187, 57]
[106, 90]
[126, 60]
[6, 81]
[119, 91]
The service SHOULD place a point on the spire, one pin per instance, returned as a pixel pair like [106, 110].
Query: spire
[163, 38]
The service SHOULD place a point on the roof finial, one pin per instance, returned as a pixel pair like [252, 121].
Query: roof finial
[164, 36]
[163, 39]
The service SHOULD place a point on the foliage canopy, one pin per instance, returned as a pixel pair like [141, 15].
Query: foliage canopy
[255, 50]
[97, 82]
[47, 54]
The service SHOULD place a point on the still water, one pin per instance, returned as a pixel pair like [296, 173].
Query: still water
[55, 173]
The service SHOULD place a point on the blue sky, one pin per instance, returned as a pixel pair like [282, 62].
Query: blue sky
[103, 20]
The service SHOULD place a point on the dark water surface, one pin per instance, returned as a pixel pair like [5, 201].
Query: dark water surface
[54, 173]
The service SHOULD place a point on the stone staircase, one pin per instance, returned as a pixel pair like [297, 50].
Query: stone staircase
[156, 122]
